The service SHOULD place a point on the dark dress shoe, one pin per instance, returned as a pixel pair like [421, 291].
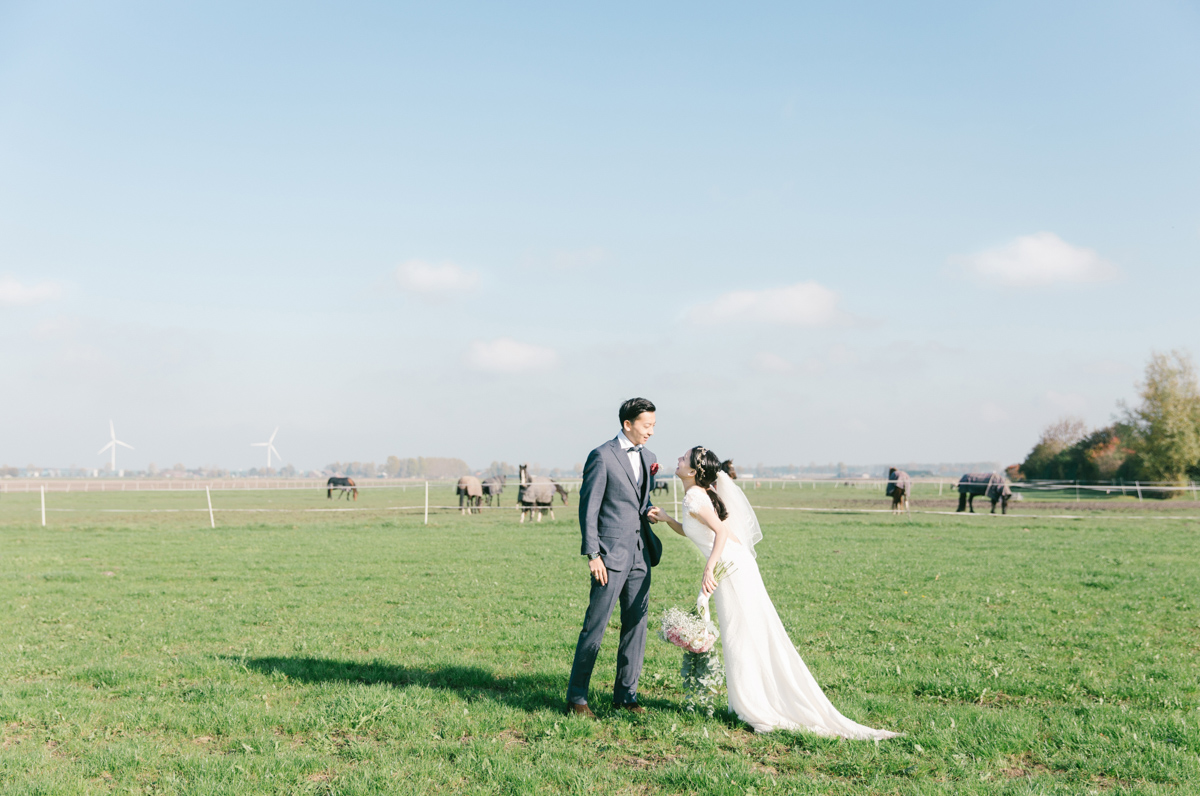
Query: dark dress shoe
[575, 709]
[632, 707]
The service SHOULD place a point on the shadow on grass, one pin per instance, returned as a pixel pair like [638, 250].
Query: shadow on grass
[526, 692]
[531, 693]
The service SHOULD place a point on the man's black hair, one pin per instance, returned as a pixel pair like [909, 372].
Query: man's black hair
[634, 407]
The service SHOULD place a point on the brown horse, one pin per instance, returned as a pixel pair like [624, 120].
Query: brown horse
[343, 483]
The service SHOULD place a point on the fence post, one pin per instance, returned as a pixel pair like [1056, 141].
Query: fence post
[43, 505]
[426, 502]
[1138, 486]
[675, 493]
[211, 519]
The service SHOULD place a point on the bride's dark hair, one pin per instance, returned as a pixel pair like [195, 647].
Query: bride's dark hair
[707, 464]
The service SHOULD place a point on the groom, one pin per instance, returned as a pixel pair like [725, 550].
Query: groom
[613, 504]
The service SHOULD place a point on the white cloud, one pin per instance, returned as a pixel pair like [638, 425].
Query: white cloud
[505, 355]
[435, 279]
[771, 363]
[14, 294]
[1039, 260]
[801, 304]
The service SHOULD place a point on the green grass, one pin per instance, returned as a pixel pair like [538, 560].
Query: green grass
[294, 652]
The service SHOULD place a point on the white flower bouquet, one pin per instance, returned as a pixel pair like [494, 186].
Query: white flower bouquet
[703, 672]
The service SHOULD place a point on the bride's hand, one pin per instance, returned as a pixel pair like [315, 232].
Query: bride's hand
[655, 514]
[708, 582]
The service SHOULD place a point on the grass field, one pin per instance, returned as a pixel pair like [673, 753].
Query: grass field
[296, 651]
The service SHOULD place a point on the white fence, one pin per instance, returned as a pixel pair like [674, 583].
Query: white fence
[42, 487]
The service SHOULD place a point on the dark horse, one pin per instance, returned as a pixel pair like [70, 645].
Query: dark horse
[991, 485]
[899, 487]
[343, 483]
[536, 493]
[492, 487]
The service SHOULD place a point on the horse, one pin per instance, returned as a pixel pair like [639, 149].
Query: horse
[899, 487]
[661, 486]
[343, 483]
[991, 485]
[469, 490]
[536, 492]
[492, 487]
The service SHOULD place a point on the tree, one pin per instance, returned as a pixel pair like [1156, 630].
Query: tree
[1056, 438]
[1167, 421]
[1101, 455]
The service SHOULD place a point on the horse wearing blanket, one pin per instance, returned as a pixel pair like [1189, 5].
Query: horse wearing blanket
[343, 483]
[492, 487]
[536, 492]
[470, 492]
[990, 485]
[899, 487]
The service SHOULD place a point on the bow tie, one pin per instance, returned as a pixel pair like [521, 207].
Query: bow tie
[637, 448]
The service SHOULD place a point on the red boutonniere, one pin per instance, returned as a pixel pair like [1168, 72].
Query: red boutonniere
[654, 469]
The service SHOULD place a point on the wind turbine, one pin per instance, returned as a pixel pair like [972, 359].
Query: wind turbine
[269, 445]
[112, 445]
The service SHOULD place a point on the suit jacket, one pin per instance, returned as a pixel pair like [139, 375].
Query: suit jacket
[613, 507]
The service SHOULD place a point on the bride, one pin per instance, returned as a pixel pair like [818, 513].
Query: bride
[770, 688]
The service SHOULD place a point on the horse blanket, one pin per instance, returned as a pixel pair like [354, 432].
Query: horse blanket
[991, 485]
[898, 479]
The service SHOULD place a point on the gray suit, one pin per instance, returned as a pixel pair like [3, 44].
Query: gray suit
[612, 520]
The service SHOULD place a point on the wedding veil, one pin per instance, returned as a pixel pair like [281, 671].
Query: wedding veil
[741, 520]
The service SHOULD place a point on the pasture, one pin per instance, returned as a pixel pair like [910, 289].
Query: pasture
[363, 652]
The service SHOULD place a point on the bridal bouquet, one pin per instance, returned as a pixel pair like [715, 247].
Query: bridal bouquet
[692, 631]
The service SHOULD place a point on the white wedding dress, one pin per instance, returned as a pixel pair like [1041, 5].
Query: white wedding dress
[770, 688]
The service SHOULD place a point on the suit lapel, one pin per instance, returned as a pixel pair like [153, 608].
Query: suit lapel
[623, 460]
[645, 485]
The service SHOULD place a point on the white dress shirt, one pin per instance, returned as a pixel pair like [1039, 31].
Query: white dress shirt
[635, 457]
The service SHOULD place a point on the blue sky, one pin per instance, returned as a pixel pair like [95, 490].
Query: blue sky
[814, 232]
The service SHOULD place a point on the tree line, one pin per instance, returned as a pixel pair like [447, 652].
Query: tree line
[395, 467]
[1157, 440]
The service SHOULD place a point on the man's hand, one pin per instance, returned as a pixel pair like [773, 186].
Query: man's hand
[599, 572]
[656, 515]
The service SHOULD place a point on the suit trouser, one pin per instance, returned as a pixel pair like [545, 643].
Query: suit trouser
[632, 588]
